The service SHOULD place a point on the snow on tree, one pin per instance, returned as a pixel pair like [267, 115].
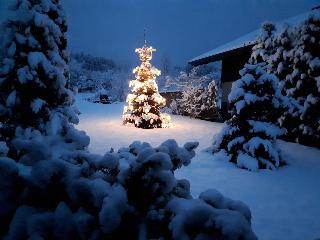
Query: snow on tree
[264, 46]
[199, 76]
[197, 102]
[280, 63]
[144, 103]
[199, 94]
[34, 72]
[281, 59]
[190, 102]
[248, 138]
[300, 82]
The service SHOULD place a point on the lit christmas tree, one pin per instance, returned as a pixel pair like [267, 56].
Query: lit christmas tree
[144, 102]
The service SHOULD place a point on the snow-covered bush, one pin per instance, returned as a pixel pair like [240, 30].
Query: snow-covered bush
[199, 76]
[191, 101]
[130, 194]
[199, 96]
[248, 138]
[197, 102]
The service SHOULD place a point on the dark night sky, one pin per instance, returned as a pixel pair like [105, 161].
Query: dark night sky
[179, 29]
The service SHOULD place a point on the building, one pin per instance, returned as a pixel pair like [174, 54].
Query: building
[235, 54]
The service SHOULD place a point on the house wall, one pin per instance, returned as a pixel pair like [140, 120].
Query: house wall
[231, 65]
[225, 88]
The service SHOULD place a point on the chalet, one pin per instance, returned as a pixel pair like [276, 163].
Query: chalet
[235, 54]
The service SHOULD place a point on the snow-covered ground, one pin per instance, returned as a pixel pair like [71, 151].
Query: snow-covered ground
[285, 203]
[103, 123]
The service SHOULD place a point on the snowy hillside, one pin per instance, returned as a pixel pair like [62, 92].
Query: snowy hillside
[284, 203]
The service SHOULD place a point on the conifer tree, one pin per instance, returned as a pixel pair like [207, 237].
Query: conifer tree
[34, 72]
[281, 64]
[248, 138]
[302, 86]
[264, 46]
[144, 103]
[198, 102]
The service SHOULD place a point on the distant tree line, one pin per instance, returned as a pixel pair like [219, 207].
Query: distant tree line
[92, 63]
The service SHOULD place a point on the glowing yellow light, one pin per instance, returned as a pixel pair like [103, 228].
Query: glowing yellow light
[145, 101]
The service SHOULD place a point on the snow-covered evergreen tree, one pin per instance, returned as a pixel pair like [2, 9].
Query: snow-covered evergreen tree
[281, 64]
[199, 96]
[189, 104]
[248, 138]
[211, 100]
[34, 72]
[264, 46]
[198, 102]
[281, 59]
[300, 84]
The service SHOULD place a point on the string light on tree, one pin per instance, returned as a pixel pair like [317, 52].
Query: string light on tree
[144, 101]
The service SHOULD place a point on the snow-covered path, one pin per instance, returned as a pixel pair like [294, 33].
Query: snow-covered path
[285, 203]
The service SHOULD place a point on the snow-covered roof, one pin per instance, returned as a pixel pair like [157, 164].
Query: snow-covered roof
[246, 40]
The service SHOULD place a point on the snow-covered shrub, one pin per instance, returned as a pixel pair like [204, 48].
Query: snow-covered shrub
[248, 138]
[197, 102]
[130, 194]
[199, 96]
[195, 218]
[191, 101]
[199, 76]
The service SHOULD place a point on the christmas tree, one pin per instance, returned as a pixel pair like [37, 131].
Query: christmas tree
[144, 103]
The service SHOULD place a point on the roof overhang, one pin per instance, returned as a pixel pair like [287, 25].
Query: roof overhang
[222, 55]
[245, 42]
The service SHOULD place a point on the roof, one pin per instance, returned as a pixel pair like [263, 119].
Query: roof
[244, 42]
